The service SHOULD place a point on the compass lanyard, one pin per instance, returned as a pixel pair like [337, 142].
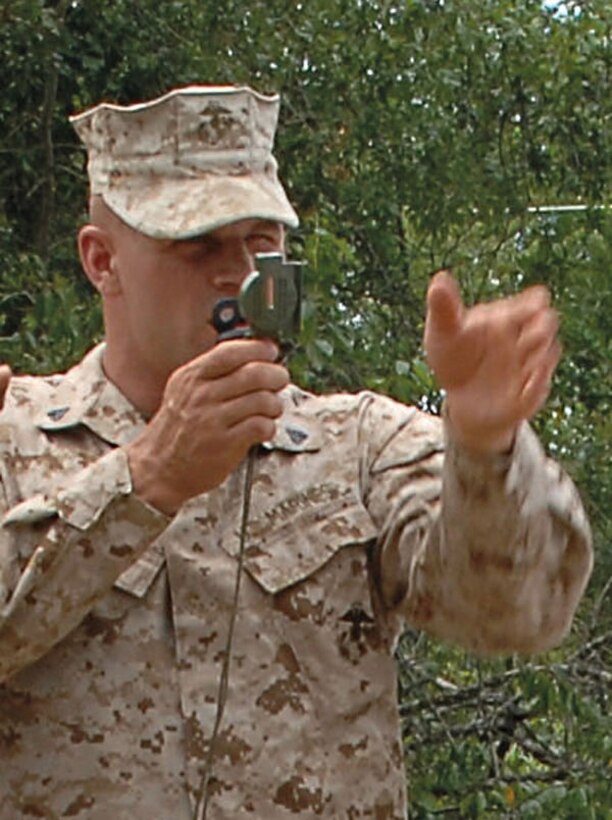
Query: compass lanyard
[269, 306]
[203, 789]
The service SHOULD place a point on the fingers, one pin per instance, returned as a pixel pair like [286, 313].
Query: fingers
[538, 348]
[538, 378]
[263, 404]
[232, 390]
[248, 379]
[213, 410]
[191, 387]
[5, 377]
[537, 334]
[253, 430]
[231, 355]
[232, 369]
[444, 304]
[530, 301]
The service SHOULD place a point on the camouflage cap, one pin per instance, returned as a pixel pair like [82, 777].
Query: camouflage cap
[188, 162]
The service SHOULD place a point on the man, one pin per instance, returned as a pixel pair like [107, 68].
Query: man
[125, 644]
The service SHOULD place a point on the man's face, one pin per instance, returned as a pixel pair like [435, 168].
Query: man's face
[169, 289]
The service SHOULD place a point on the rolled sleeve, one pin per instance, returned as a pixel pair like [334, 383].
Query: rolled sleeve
[59, 555]
[516, 546]
[492, 553]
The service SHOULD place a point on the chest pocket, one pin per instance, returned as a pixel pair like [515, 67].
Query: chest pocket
[291, 540]
[309, 553]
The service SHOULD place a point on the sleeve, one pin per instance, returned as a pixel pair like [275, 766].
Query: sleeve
[60, 554]
[491, 553]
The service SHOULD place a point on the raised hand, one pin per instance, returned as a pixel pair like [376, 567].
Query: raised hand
[495, 361]
[213, 410]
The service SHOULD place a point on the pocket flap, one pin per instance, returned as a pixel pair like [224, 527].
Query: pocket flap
[288, 543]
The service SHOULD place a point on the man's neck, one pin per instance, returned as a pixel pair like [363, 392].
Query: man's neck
[142, 388]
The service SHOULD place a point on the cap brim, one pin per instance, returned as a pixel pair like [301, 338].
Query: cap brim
[185, 208]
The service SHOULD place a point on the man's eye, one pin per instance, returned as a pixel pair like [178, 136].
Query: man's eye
[263, 242]
[195, 250]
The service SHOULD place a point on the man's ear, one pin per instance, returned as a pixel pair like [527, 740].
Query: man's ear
[97, 252]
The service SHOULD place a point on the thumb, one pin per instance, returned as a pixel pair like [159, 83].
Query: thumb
[444, 305]
[5, 377]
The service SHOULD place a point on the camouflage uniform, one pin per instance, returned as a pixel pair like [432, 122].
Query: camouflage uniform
[114, 617]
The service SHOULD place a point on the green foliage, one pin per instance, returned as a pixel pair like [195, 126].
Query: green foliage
[414, 135]
[506, 737]
[47, 319]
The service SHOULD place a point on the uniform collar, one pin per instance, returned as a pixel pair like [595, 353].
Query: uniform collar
[297, 431]
[86, 397]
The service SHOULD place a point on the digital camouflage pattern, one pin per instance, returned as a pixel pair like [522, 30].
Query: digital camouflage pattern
[188, 162]
[114, 617]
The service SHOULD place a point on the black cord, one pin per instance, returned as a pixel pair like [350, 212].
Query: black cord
[203, 790]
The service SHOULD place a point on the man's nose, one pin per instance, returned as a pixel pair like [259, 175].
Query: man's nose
[231, 268]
